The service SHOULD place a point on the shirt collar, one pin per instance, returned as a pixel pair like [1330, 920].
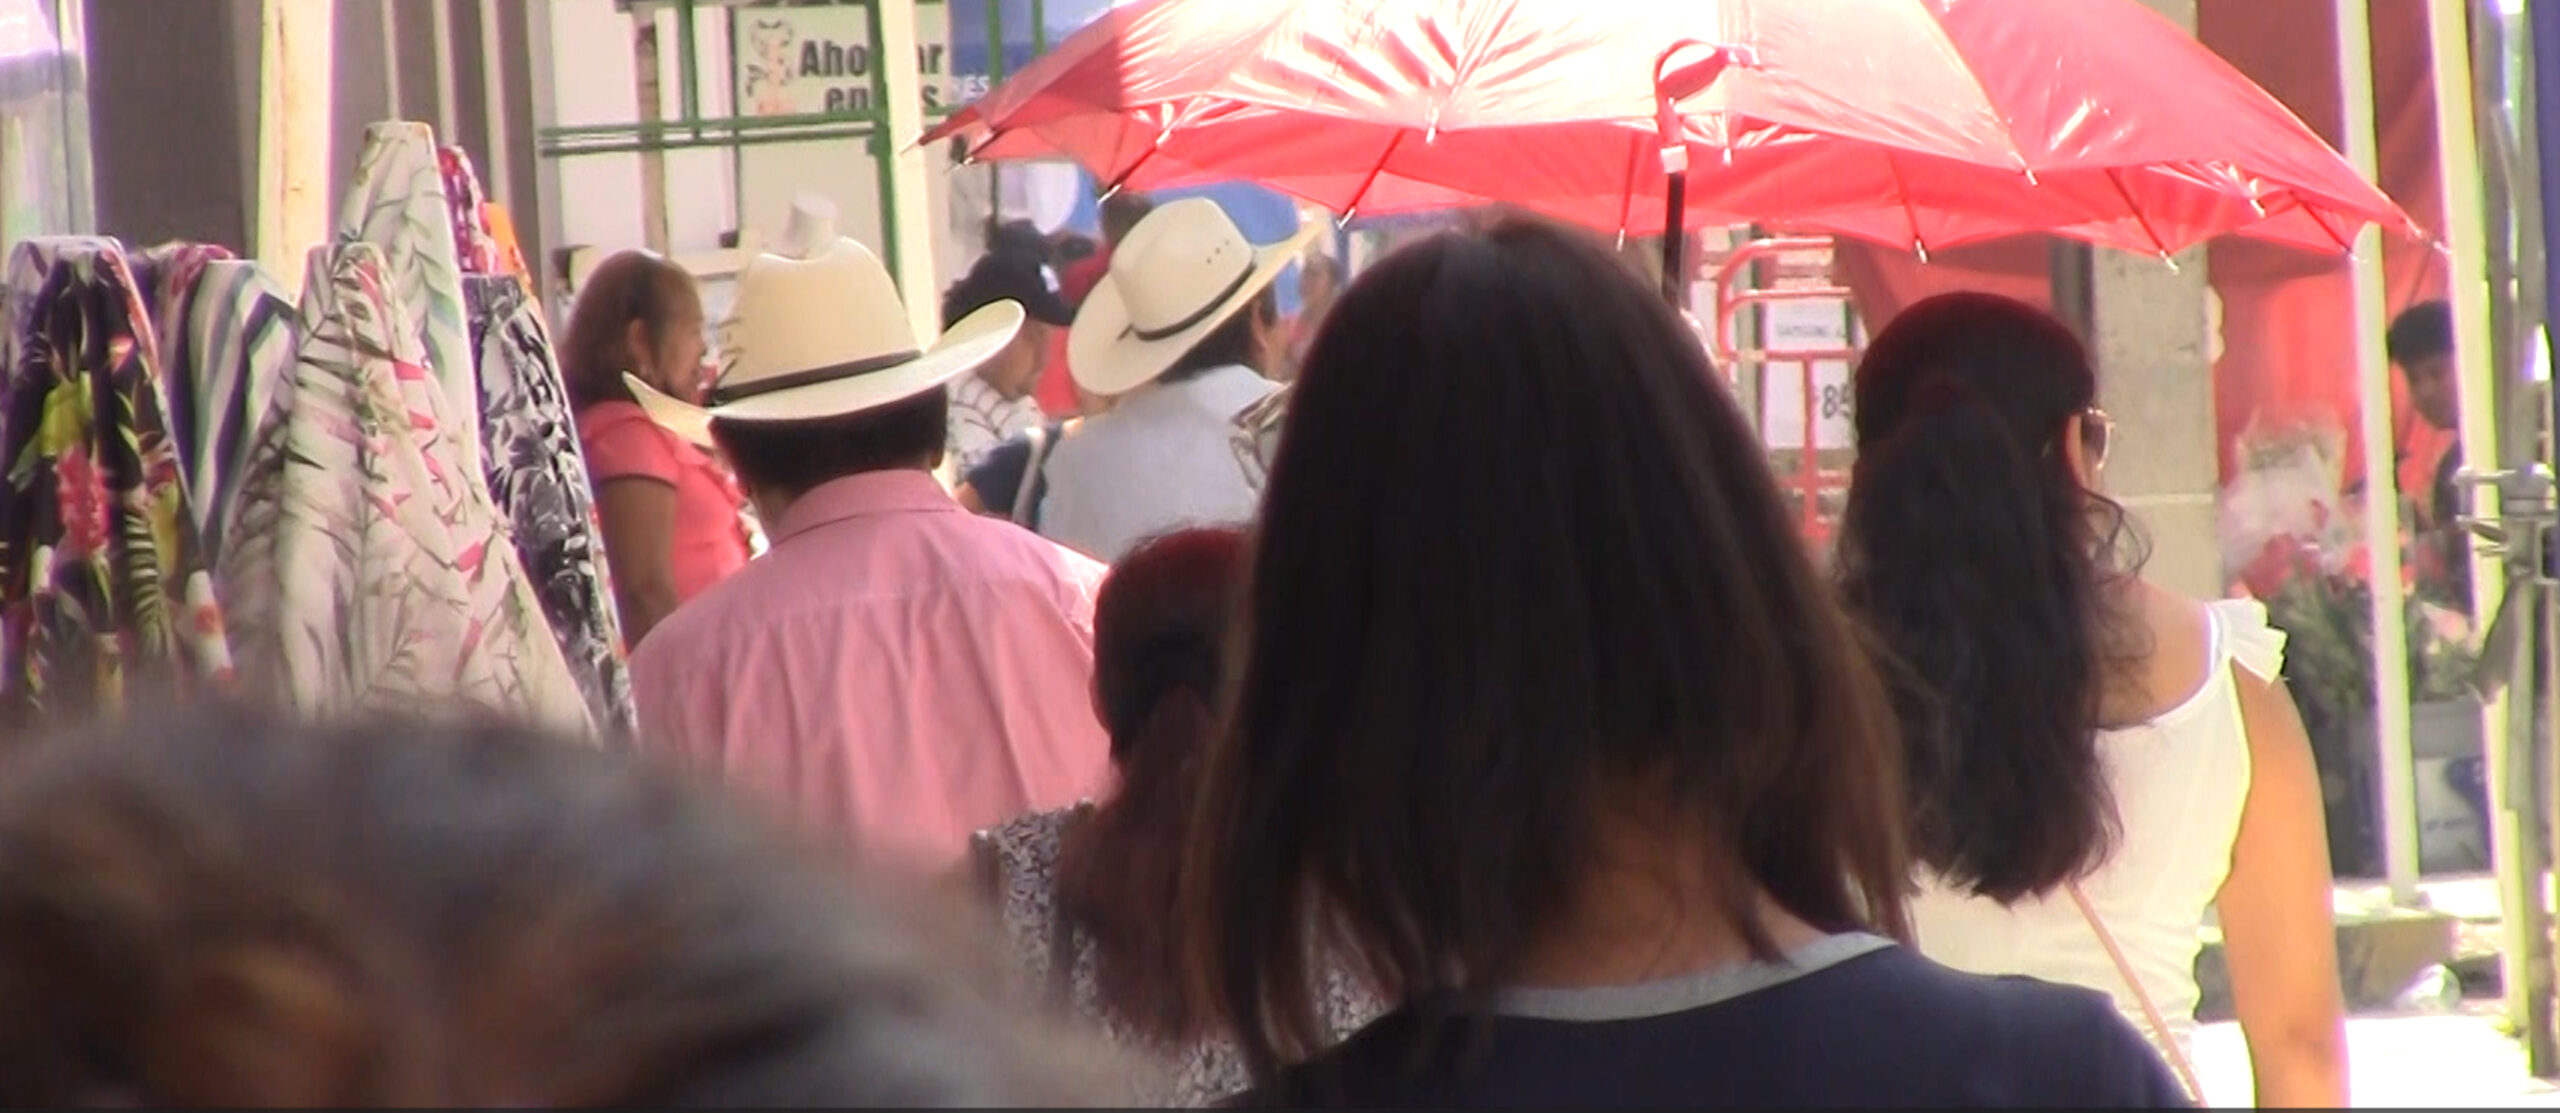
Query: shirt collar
[901, 490]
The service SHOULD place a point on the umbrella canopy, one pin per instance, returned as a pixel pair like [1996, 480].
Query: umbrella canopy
[1921, 123]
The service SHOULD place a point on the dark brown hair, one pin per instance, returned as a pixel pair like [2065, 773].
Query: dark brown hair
[1121, 212]
[2420, 332]
[796, 456]
[595, 348]
[1985, 567]
[1230, 344]
[1444, 683]
[235, 911]
[1160, 628]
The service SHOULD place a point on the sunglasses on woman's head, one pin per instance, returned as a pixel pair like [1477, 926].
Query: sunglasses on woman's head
[2097, 435]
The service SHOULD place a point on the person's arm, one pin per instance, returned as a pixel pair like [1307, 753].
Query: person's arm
[639, 541]
[998, 475]
[2278, 926]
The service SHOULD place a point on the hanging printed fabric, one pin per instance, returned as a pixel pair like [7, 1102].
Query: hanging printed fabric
[538, 478]
[240, 342]
[167, 276]
[502, 229]
[398, 204]
[474, 249]
[103, 586]
[367, 567]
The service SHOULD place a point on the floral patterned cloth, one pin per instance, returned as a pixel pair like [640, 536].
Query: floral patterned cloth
[102, 582]
[502, 231]
[1256, 441]
[538, 479]
[1022, 857]
[398, 203]
[474, 249]
[367, 566]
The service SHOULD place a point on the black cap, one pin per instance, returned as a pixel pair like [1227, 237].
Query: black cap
[1019, 237]
[1006, 276]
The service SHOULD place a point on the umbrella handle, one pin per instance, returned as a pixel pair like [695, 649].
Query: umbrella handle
[1669, 88]
[1673, 86]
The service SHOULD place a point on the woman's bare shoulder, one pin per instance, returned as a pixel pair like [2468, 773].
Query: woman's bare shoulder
[2171, 652]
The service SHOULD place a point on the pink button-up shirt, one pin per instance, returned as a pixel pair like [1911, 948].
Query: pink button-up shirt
[896, 672]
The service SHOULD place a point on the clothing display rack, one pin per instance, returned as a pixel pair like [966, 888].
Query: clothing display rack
[374, 497]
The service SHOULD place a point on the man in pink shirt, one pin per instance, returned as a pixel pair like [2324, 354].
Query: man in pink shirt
[896, 672]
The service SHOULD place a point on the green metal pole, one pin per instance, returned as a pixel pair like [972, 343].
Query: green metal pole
[995, 41]
[857, 132]
[689, 66]
[881, 152]
[737, 151]
[995, 73]
[1039, 27]
[738, 124]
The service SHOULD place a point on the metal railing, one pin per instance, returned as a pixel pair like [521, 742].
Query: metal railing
[1815, 478]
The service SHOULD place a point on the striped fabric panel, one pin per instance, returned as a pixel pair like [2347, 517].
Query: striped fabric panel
[241, 334]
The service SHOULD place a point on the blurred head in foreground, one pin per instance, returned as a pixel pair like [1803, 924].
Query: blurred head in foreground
[236, 911]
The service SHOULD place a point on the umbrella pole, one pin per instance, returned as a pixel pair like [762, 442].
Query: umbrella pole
[1675, 241]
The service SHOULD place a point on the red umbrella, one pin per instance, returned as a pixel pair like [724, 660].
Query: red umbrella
[1922, 123]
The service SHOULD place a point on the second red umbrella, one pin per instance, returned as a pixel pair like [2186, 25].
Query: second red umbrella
[1922, 123]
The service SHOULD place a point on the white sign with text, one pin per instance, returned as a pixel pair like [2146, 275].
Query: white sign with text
[806, 61]
[1813, 326]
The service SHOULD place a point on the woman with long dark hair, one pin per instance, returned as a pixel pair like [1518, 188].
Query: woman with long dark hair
[2094, 761]
[1088, 892]
[1577, 754]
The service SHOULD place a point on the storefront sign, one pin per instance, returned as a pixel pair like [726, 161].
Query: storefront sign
[813, 60]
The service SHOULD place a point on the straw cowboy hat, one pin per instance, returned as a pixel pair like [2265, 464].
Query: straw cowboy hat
[1177, 276]
[810, 229]
[808, 339]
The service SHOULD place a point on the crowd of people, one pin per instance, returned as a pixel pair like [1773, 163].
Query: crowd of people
[1495, 741]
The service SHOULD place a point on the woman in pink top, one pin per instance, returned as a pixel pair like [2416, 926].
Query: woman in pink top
[670, 511]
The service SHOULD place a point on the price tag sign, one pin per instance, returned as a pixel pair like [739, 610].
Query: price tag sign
[1809, 326]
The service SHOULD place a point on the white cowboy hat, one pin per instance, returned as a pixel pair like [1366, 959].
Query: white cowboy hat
[810, 229]
[1173, 280]
[808, 339]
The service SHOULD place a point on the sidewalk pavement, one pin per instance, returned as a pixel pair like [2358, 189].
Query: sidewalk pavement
[2438, 1061]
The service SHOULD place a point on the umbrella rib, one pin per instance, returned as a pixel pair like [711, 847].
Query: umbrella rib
[1371, 181]
[1910, 214]
[969, 154]
[1627, 197]
[2115, 178]
[1154, 145]
[2312, 211]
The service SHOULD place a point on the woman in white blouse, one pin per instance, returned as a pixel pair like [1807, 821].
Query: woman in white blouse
[2095, 761]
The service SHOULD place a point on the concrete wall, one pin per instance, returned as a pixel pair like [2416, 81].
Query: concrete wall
[594, 200]
[388, 69]
[2146, 321]
[174, 106]
[173, 112]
